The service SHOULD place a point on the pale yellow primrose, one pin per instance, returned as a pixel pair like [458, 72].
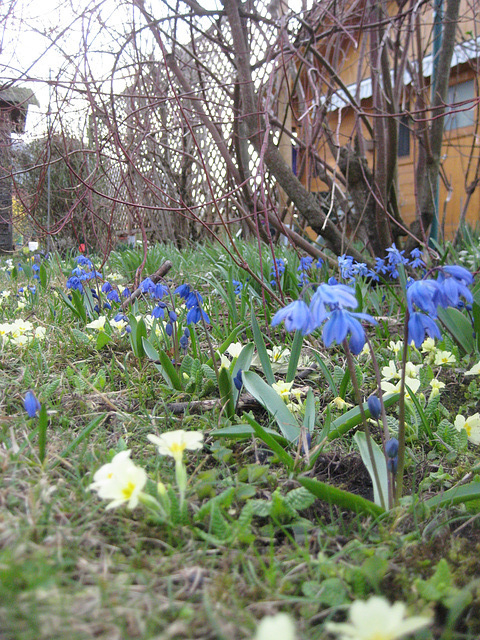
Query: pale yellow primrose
[474, 371]
[174, 443]
[436, 386]
[444, 357]
[277, 627]
[377, 619]
[119, 481]
[471, 426]
[283, 389]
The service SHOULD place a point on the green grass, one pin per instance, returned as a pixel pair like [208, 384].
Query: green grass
[69, 568]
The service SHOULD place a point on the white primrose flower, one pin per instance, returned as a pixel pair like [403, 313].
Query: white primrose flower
[277, 627]
[377, 619]
[98, 324]
[444, 357]
[174, 443]
[474, 371]
[471, 426]
[119, 481]
[284, 389]
[235, 349]
[436, 386]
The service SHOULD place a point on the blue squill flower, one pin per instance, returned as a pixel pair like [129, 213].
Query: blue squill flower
[238, 287]
[183, 290]
[296, 315]
[238, 381]
[126, 293]
[158, 311]
[146, 285]
[391, 448]
[342, 323]
[305, 263]
[420, 325]
[74, 283]
[195, 314]
[416, 258]
[113, 296]
[455, 287]
[106, 287]
[158, 291]
[31, 404]
[426, 295]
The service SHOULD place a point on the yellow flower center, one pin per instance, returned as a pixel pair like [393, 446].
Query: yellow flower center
[128, 490]
[177, 449]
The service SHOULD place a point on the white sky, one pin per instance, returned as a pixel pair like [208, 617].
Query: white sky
[44, 38]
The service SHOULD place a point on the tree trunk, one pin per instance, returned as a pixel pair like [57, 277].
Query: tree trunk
[6, 238]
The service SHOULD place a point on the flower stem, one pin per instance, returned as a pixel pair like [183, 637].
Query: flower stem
[401, 415]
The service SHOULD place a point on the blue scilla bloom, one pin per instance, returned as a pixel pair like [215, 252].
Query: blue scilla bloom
[392, 464]
[35, 267]
[83, 261]
[394, 256]
[426, 295]
[169, 329]
[420, 325]
[195, 313]
[113, 296]
[305, 263]
[342, 323]
[120, 316]
[278, 267]
[338, 295]
[380, 266]
[158, 311]
[319, 263]
[74, 283]
[183, 342]
[238, 287]
[416, 261]
[193, 299]
[297, 317]
[94, 294]
[146, 285]
[374, 406]
[31, 404]
[345, 264]
[107, 305]
[173, 316]
[126, 293]
[455, 285]
[106, 287]
[183, 290]
[78, 272]
[33, 290]
[158, 291]
[89, 275]
[303, 279]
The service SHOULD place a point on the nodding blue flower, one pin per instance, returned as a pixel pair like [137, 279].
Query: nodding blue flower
[186, 332]
[83, 261]
[120, 316]
[193, 299]
[158, 311]
[107, 287]
[126, 293]
[238, 381]
[319, 263]
[394, 256]
[336, 295]
[416, 258]
[183, 290]
[169, 329]
[342, 323]
[31, 404]
[427, 295]
[183, 342]
[35, 267]
[374, 406]
[297, 317]
[391, 448]
[146, 285]
[278, 268]
[420, 325]
[113, 296]
[305, 263]
[455, 287]
[158, 291]
[238, 287]
[173, 316]
[194, 315]
[345, 264]
[107, 306]
[380, 266]
[74, 283]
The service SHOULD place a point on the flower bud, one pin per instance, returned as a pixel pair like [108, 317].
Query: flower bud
[374, 406]
[391, 448]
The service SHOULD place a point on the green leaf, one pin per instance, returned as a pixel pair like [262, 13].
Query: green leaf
[309, 419]
[341, 498]
[245, 431]
[326, 372]
[421, 413]
[270, 441]
[91, 426]
[169, 372]
[262, 350]
[380, 462]
[42, 432]
[459, 326]
[270, 399]
[457, 495]
[225, 386]
[102, 339]
[42, 274]
[295, 353]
